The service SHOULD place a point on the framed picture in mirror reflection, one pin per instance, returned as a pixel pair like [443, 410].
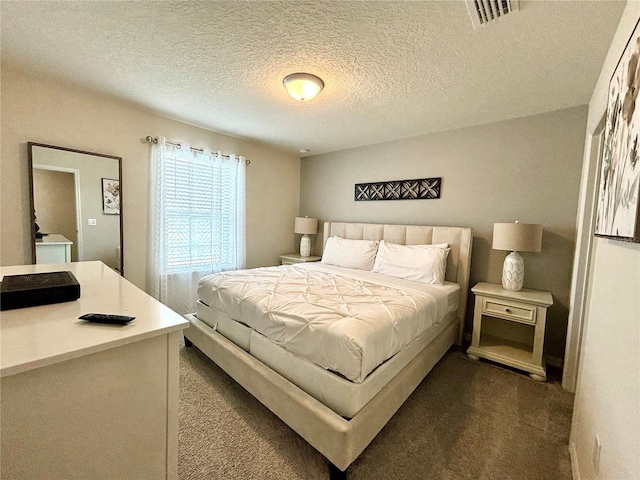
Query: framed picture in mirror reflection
[110, 196]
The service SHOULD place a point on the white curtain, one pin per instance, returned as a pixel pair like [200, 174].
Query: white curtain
[197, 221]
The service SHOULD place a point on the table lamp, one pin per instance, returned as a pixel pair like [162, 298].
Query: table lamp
[306, 226]
[516, 237]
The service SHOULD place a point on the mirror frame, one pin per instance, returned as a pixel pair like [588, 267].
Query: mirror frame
[31, 199]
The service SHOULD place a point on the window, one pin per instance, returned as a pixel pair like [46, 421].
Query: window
[200, 214]
[197, 221]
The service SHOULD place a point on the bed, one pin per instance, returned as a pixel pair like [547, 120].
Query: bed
[337, 408]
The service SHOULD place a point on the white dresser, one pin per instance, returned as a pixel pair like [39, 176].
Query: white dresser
[83, 400]
[53, 248]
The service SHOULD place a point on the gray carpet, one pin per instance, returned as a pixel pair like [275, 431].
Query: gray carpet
[467, 420]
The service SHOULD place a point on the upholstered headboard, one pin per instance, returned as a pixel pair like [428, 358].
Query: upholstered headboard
[458, 238]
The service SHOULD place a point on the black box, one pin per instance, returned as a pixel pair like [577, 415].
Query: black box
[32, 289]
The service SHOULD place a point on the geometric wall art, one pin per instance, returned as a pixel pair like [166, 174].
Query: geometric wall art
[418, 189]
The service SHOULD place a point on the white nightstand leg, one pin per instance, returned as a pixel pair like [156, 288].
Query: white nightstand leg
[538, 342]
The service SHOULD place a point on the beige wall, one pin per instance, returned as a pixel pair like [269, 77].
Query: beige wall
[608, 392]
[526, 169]
[38, 110]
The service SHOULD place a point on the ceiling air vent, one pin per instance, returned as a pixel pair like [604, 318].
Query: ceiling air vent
[486, 11]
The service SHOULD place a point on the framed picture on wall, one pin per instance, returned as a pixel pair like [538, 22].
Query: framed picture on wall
[110, 196]
[618, 207]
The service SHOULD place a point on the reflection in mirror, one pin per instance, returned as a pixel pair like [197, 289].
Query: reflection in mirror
[75, 206]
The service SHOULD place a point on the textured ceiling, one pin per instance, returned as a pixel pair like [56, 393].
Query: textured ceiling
[391, 69]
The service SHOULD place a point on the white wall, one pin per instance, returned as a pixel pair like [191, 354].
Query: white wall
[40, 110]
[608, 392]
[525, 169]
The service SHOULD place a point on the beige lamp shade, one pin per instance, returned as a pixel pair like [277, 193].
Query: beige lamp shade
[517, 237]
[306, 225]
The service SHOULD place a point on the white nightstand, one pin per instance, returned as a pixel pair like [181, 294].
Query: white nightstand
[508, 327]
[291, 258]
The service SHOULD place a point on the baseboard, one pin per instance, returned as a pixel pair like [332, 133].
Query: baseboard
[554, 361]
[575, 469]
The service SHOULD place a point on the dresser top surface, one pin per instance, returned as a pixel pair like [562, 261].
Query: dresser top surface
[52, 239]
[39, 336]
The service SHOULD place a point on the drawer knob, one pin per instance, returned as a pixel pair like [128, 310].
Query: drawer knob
[508, 310]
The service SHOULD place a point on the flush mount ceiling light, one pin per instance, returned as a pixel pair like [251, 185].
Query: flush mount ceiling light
[303, 86]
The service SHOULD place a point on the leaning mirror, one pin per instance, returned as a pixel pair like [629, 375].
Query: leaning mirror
[76, 206]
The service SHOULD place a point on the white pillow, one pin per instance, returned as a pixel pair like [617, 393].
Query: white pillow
[358, 254]
[419, 263]
[433, 245]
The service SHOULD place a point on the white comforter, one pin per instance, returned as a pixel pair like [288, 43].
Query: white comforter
[344, 320]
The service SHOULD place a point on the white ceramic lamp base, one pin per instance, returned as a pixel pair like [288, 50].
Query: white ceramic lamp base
[305, 246]
[513, 272]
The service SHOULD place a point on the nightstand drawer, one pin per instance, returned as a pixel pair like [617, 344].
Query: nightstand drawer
[509, 310]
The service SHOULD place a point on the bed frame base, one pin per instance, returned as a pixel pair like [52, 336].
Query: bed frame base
[340, 440]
